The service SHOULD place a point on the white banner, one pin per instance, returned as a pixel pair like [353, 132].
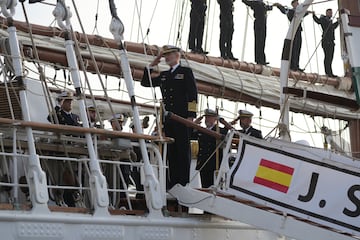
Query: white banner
[316, 190]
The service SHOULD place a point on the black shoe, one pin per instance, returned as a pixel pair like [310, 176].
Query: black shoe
[332, 75]
[201, 51]
[263, 63]
[233, 58]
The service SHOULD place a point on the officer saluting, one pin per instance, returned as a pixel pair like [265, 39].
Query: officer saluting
[179, 94]
[206, 159]
[245, 118]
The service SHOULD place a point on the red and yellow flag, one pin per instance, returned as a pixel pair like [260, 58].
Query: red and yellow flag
[274, 175]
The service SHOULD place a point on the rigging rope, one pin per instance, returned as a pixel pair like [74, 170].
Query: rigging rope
[96, 19]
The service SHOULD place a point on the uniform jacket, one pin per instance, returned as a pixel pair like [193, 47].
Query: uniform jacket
[198, 7]
[252, 132]
[178, 90]
[207, 145]
[260, 9]
[226, 11]
[290, 15]
[327, 26]
[65, 118]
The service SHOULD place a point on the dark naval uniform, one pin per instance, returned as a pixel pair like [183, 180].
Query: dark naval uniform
[226, 28]
[297, 42]
[197, 21]
[260, 14]
[66, 118]
[327, 43]
[253, 132]
[179, 94]
[207, 146]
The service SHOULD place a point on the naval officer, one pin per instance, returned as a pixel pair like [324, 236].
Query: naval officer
[179, 94]
[63, 112]
[245, 118]
[206, 158]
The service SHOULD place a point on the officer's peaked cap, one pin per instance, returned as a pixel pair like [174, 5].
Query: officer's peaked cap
[169, 49]
[210, 112]
[245, 114]
[66, 95]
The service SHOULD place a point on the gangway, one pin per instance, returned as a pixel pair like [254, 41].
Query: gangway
[288, 188]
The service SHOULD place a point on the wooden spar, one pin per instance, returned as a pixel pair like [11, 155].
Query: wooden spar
[78, 130]
[193, 125]
[153, 50]
[354, 20]
[354, 129]
[206, 88]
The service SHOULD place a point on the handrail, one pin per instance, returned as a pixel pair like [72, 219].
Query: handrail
[80, 130]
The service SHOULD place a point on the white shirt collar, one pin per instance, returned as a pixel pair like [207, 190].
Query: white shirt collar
[173, 68]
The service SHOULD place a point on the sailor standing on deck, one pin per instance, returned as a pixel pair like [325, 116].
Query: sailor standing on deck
[206, 159]
[179, 94]
[91, 112]
[63, 112]
[245, 118]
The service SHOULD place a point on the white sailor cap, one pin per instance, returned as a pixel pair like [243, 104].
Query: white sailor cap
[119, 116]
[245, 114]
[210, 112]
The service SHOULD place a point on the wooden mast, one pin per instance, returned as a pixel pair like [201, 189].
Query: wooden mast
[354, 20]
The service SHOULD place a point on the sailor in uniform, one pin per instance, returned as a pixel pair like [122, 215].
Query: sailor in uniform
[63, 112]
[328, 38]
[206, 159]
[197, 22]
[260, 14]
[91, 112]
[245, 118]
[297, 41]
[179, 94]
[226, 28]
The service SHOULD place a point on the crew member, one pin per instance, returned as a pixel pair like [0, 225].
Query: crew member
[226, 28]
[260, 14]
[297, 41]
[179, 94]
[206, 159]
[91, 112]
[245, 118]
[63, 112]
[328, 38]
[197, 21]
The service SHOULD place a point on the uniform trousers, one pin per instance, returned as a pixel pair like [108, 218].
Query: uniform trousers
[178, 154]
[328, 47]
[196, 31]
[260, 36]
[295, 54]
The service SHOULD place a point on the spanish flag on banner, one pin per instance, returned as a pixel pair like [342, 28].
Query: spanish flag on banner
[274, 175]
